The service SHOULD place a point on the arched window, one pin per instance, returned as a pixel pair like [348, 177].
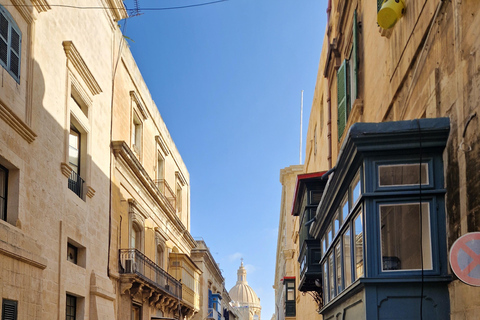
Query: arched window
[10, 44]
[136, 237]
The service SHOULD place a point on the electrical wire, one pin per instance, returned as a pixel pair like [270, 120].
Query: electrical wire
[120, 8]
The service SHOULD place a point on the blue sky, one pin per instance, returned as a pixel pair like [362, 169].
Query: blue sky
[227, 79]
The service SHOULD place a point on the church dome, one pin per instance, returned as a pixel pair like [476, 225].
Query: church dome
[242, 293]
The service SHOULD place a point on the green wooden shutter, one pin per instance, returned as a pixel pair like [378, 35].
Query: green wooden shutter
[354, 58]
[379, 4]
[3, 39]
[9, 310]
[15, 39]
[342, 98]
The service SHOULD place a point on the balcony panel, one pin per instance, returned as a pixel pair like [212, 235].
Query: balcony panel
[133, 262]
[311, 270]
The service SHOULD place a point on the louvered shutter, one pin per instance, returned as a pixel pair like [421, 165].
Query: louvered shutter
[354, 58]
[3, 39]
[9, 310]
[15, 39]
[342, 98]
[379, 4]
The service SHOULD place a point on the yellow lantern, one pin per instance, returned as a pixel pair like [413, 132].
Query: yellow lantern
[390, 12]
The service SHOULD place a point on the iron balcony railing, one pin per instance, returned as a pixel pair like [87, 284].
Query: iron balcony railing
[133, 261]
[165, 190]
[75, 183]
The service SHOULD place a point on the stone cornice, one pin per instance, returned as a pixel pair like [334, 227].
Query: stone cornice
[162, 145]
[125, 154]
[16, 123]
[180, 178]
[139, 103]
[79, 64]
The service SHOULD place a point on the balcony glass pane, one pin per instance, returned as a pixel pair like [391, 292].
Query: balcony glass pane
[405, 236]
[338, 267]
[356, 188]
[402, 175]
[358, 232]
[331, 273]
[325, 282]
[336, 224]
[344, 208]
[347, 258]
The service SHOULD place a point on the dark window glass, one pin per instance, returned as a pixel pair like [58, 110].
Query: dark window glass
[71, 309]
[3, 193]
[72, 253]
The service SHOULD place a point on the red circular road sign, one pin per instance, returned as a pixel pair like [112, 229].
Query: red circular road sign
[465, 258]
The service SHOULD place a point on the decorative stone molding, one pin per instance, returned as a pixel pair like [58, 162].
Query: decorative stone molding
[41, 5]
[161, 143]
[79, 64]
[127, 158]
[180, 178]
[139, 104]
[66, 169]
[90, 192]
[25, 10]
[16, 123]
[117, 9]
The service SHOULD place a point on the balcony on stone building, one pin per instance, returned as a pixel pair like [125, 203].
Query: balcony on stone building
[309, 190]
[142, 278]
[185, 270]
[166, 190]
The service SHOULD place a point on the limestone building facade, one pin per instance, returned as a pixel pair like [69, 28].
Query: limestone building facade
[394, 131]
[215, 302]
[94, 195]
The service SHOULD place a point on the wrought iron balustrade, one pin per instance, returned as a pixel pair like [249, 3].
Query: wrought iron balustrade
[134, 262]
[165, 190]
[75, 183]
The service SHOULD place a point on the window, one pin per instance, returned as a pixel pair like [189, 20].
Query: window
[325, 282]
[405, 236]
[358, 245]
[347, 82]
[136, 237]
[9, 310]
[356, 189]
[10, 44]
[137, 134]
[3, 192]
[160, 167]
[336, 224]
[344, 208]
[72, 253]
[71, 308]
[290, 309]
[75, 181]
[338, 267]
[347, 258]
[395, 175]
[136, 312]
[179, 199]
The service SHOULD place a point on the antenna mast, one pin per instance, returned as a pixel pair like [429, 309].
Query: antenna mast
[301, 125]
